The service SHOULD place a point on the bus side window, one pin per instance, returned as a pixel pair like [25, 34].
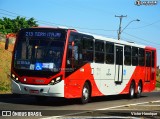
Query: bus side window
[77, 53]
[69, 56]
[109, 53]
[148, 59]
[99, 51]
[87, 50]
[134, 56]
[141, 57]
[127, 55]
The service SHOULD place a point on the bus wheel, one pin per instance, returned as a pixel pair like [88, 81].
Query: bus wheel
[132, 90]
[139, 90]
[16, 95]
[85, 93]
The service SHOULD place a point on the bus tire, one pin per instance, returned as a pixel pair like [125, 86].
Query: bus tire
[139, 90]
[132, 90]
[85, 93]
[16, 95]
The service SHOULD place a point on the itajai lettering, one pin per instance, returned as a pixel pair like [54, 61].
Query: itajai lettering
[43, 34]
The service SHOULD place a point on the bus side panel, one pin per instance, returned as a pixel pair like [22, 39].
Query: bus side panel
[139, 74]
[128, 72]
[136, 76]
[105, 78]
[152, 69]
[153, 84]
[74, 83]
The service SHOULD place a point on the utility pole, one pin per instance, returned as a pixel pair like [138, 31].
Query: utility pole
[119, 32]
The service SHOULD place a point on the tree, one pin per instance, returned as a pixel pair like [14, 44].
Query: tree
[32, 22]
[8, 25]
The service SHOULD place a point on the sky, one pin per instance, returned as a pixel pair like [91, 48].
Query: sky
[93, 16]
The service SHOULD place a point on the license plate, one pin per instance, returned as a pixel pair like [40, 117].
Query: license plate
[34, 91]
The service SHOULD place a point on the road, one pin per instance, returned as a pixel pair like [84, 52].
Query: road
[146, 106]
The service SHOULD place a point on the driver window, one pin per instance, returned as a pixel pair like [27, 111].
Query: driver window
[74, 55]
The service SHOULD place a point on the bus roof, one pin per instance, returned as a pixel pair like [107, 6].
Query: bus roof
[114, 40]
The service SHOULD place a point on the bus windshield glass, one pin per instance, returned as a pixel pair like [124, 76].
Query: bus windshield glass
[39, 50]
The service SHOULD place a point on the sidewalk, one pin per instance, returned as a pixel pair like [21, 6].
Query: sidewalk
[157, 89]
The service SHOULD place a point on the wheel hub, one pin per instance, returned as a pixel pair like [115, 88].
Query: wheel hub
[139, 89]
[85, 93]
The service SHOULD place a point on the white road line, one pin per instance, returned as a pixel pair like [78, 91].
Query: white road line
[109, 108]
[121, 109]
[91, 117]
[128, 105]
[150, 105]
[155, 101]
[55, 117]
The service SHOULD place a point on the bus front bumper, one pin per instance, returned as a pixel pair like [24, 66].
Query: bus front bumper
[56, 90]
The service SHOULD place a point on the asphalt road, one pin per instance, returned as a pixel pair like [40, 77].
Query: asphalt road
[110, 106]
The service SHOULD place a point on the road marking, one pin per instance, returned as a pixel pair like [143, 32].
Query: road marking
[122, 109]
[155, 101]
[150, 105]
[91, 117]
[109, 108]
[55, 117]
[128, 105]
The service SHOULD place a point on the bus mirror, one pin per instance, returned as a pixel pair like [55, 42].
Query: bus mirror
[6, 43]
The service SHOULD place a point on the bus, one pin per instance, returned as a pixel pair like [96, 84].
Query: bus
[62, 62]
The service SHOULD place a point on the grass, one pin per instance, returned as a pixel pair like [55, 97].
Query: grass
[158, 82]
[5, 65]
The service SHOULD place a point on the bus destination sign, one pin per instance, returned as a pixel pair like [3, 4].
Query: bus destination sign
[43, 34]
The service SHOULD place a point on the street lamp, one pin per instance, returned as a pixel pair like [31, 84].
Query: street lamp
[120, 31]
[129, 24]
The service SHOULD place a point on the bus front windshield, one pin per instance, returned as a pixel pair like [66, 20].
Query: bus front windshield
[39, 53]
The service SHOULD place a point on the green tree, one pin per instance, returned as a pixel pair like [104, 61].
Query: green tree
[32, 22]
[8, 25]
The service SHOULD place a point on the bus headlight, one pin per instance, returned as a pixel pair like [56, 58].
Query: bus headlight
[56, 80]
[13, 77]
[16, 79]
[52, 82]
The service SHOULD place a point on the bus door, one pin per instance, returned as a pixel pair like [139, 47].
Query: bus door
[153, 71]
[119, 64]
[148, 66]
